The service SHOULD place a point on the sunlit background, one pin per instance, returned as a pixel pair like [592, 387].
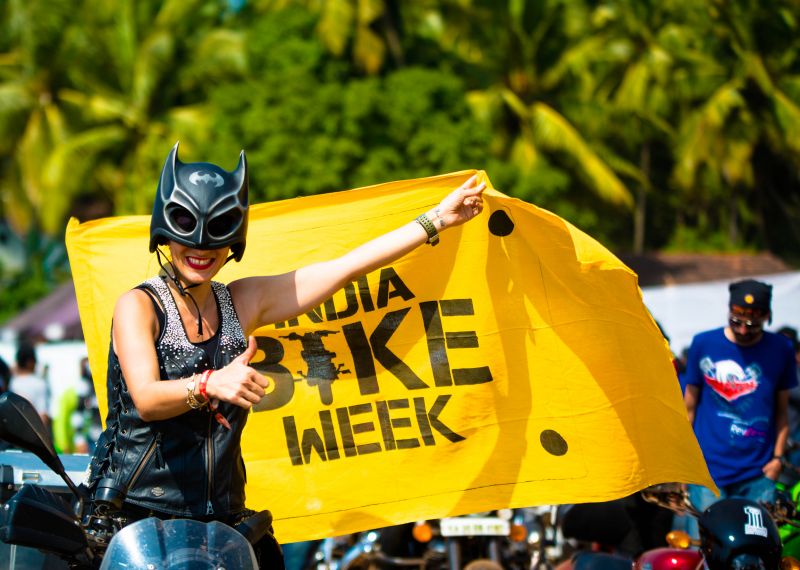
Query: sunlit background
[662, 128]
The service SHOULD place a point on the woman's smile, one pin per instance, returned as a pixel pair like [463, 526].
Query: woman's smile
[199, 263]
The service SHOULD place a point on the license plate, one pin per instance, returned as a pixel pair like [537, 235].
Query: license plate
[474, 526]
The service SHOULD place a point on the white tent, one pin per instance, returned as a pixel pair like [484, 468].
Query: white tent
[685, 310]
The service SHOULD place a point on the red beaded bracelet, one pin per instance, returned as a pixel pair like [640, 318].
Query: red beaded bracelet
[212, 404]
[201, 388]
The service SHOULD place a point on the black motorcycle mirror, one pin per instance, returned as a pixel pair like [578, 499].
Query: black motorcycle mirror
[21, 425]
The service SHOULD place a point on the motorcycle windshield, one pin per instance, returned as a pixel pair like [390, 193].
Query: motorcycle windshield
[179, 544]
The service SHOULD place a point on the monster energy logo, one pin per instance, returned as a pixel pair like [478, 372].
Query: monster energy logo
[755, 522]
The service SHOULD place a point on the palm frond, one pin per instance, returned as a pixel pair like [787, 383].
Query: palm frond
[225, 50]
[736, 164]
[187, 119]
[633, 90]
[553, 131]
[16, 97]
[154, 59]
[582, 54]
[701, 132]
[30, 153]
[336, 25]
[787, 113]
[173, 13]
[65, 172]
[369, 51]
[99, 108]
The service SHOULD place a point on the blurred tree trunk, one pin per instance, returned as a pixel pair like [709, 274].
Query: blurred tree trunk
[640, 216]
[733, 215]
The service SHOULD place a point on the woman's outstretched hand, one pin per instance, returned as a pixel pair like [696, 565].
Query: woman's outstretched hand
[461, 205]
[238, 382]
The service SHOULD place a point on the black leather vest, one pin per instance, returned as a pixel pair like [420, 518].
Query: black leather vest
[189, 465]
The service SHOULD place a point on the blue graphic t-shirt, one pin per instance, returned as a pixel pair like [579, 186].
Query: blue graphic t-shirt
[735, 415]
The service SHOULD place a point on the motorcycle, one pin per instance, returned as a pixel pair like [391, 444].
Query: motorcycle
[88, 535]
[788, 496]
[734, 533]
[482, 541]
[389, 547]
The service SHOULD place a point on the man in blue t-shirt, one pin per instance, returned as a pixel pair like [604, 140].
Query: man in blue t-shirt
[737, 393]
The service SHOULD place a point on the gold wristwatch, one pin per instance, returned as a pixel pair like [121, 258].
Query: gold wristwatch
[193, 402]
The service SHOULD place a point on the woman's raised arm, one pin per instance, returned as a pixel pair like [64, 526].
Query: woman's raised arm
[265, 300]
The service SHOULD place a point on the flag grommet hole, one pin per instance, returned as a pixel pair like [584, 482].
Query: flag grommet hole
[553, 443]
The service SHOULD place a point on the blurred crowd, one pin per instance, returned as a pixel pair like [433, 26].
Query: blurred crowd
[73, 420]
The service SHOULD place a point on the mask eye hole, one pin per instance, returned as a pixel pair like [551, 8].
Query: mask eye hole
[223, 225]
[182, 219]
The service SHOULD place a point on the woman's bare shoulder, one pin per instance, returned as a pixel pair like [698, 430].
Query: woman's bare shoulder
[133, 298]
[135, 304]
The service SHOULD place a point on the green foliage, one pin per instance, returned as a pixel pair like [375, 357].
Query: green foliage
[307, 131]
[575, 105]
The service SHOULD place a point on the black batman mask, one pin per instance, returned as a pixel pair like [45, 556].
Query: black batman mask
[200, 205]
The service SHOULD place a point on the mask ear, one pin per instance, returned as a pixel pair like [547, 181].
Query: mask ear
[240, 174]
[168, 172]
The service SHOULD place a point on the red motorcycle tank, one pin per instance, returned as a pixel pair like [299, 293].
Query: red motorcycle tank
[669, 559]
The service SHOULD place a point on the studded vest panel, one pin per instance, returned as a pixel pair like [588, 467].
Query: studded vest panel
[188, 465]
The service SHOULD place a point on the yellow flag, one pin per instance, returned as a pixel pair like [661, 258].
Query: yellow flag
[513, 364]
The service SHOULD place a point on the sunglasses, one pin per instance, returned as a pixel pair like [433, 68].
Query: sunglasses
[749, 325]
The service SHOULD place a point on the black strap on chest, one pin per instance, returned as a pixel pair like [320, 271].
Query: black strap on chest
[209, 345]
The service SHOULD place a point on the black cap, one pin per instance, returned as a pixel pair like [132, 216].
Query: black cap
[751, 294]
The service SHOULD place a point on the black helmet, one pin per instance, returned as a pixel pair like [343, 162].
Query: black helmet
[738, 533]
[200, 205]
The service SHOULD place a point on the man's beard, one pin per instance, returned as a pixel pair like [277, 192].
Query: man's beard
[750, 337]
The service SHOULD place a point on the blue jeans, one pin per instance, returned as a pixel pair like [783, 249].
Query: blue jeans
[756, 489]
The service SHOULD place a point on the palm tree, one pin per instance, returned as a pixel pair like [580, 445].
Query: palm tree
[148, 85]
[528, 80]
[648, 59]
[508, 70]
[31, 118]
[752, 109]
[119, 82]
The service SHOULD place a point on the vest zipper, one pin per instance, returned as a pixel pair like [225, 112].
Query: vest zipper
[145, 458]
[210, 465]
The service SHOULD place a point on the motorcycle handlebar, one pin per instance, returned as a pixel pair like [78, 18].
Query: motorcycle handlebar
[671, 496]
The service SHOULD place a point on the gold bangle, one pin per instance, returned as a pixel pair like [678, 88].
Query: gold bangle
[191, 399]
